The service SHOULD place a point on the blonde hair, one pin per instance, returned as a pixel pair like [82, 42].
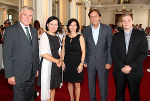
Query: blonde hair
[127, 14]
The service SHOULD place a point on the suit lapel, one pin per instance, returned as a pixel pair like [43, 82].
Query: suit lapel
[100, 36]
[91, 39]
[131, 40]
[122, 42]
[32, 35]
[21, 31]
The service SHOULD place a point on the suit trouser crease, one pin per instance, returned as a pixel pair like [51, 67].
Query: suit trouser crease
[103, 83]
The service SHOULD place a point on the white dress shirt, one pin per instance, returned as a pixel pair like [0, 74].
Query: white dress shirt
[23, 26]
[95, 33]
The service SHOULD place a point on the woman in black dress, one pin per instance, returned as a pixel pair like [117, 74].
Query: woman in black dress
[73, 53]
[49, 50]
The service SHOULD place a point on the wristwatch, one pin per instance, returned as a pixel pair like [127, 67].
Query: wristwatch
[82, 62]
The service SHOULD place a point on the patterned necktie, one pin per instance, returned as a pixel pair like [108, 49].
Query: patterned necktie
[28, 35]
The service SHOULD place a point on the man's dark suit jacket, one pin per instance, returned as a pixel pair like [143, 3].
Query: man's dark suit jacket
[98, 55]
[20, 59]
[137, 52]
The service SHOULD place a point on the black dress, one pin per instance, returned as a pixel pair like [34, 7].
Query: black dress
[55, 71]
[72, 60]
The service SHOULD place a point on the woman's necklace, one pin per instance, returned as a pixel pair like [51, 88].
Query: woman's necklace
[71, 37]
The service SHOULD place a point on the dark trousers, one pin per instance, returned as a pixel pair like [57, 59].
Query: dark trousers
[25, 91]
[121, 82]
[103, 83]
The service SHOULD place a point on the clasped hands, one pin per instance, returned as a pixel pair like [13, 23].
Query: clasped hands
[59, 62]
[126, 69]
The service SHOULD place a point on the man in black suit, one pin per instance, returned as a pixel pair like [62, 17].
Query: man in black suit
[129, 49]
[21, 56]
[98, 39]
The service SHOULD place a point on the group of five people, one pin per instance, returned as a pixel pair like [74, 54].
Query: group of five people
[95, 49]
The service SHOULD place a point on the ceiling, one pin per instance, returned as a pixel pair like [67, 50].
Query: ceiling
[113, 4]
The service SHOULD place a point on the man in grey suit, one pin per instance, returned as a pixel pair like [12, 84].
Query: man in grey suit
[21, 56]
[98, 39]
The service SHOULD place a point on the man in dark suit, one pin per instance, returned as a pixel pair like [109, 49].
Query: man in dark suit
[21, 56]
[98, 39]
[129, 49]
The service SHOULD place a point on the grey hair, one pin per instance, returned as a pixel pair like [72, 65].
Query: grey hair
[26, 7]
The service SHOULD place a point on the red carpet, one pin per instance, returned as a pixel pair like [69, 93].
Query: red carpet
[62, 94]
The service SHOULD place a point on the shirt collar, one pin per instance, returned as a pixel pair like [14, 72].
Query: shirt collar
[129, 32]
[23, 25]
[94, 28]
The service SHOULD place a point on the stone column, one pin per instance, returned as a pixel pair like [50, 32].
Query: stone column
[43, 11]
[87, 5]
[80, 17]
[62, 11]
[149, 18]
[57, 8]
[73, 9]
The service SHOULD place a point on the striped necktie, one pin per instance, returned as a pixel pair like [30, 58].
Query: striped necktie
[28, 35]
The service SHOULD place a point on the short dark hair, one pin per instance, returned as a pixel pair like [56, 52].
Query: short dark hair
[7, 22]
[73, 20]
[94, 10]
[51, 19]
[37, 24]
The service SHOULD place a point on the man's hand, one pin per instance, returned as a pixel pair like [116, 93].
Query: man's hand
[12, 81]
[107, 66]
[37, 73]
[85, 65]
[126, 69]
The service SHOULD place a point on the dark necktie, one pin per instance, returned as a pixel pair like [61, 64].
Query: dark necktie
[28, 35]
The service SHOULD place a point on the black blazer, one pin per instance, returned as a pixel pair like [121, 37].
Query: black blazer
[137, 52]
[20, 59]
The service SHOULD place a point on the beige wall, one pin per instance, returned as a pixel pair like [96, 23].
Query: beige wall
[107, 16]
[44, 10]
[84, 16]
[8, 7]
[11, 2]
[80, 15]
[105, 2]
[62, 13]
[73, 9]
[28, 3]
[2, 16]
[140, 16]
